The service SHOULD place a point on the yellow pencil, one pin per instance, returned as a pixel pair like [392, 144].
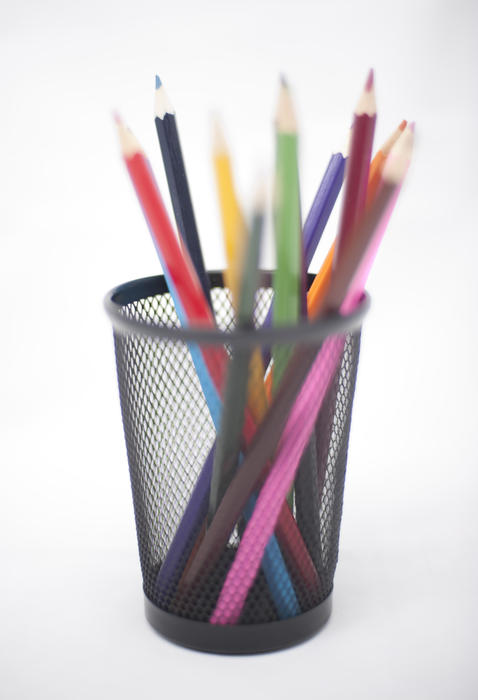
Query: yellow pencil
[233, 224]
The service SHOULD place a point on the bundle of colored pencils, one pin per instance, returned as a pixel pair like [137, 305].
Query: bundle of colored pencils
[264, 405]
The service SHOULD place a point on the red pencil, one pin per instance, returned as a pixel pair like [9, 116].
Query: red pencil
[183, 282]
[357, 168]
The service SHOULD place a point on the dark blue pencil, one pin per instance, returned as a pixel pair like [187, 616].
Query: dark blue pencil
[166, 127]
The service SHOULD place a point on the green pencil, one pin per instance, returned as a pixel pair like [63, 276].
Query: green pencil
[228, 445]
[288, 275]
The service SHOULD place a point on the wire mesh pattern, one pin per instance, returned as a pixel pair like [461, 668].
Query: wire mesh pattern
[169, 435]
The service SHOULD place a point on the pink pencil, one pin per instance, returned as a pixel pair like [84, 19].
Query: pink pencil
[356, 259]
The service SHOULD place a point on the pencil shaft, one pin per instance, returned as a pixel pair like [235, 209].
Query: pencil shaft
[287, 227]
[355, 252]
[233, 225]
[306, 484]
[228, 444]
[356, 180]
[323, 205]
[169, 142]
[288, 275]
[317, 218]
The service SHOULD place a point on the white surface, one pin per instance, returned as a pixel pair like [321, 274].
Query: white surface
[405, 604]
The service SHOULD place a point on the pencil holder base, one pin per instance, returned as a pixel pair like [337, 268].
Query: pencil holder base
[238, 639]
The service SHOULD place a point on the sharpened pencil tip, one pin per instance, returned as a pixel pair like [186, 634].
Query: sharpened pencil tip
[283, 81]
[402, 125]
[219, 144]
[369, 82]
[158, 82]
[285, 117]
[129, 143]
[411, 126]
[260, 195]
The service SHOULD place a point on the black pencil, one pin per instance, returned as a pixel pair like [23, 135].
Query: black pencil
[165, 120]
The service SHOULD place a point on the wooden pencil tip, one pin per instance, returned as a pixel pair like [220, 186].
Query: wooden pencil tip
[285, 117]
[369, 81]
[402, 124]
[366, 103]
[129, 143]
[260, 195]
[399, 159]
[219, 143]
[162, 105]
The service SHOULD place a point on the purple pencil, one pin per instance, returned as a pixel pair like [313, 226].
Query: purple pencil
[185, 536]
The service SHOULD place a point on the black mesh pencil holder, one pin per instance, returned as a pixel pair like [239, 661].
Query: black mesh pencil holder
[243, 562]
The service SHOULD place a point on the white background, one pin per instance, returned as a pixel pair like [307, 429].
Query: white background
[405, 603]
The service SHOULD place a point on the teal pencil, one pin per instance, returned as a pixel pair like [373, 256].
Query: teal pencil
[228, 446]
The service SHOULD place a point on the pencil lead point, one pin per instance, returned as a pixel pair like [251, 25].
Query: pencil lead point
[283, 81]
[369, 82]
[162, 105]
[285, 118]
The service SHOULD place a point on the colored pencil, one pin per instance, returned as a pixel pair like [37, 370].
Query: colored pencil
[358, 165]
[265, 440]
[304, 411]
[167, 130]
[233, 224]
[228, 443]
[183, 282]
[288, 275]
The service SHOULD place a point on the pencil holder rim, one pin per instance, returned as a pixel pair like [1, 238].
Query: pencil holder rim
[303, 332]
